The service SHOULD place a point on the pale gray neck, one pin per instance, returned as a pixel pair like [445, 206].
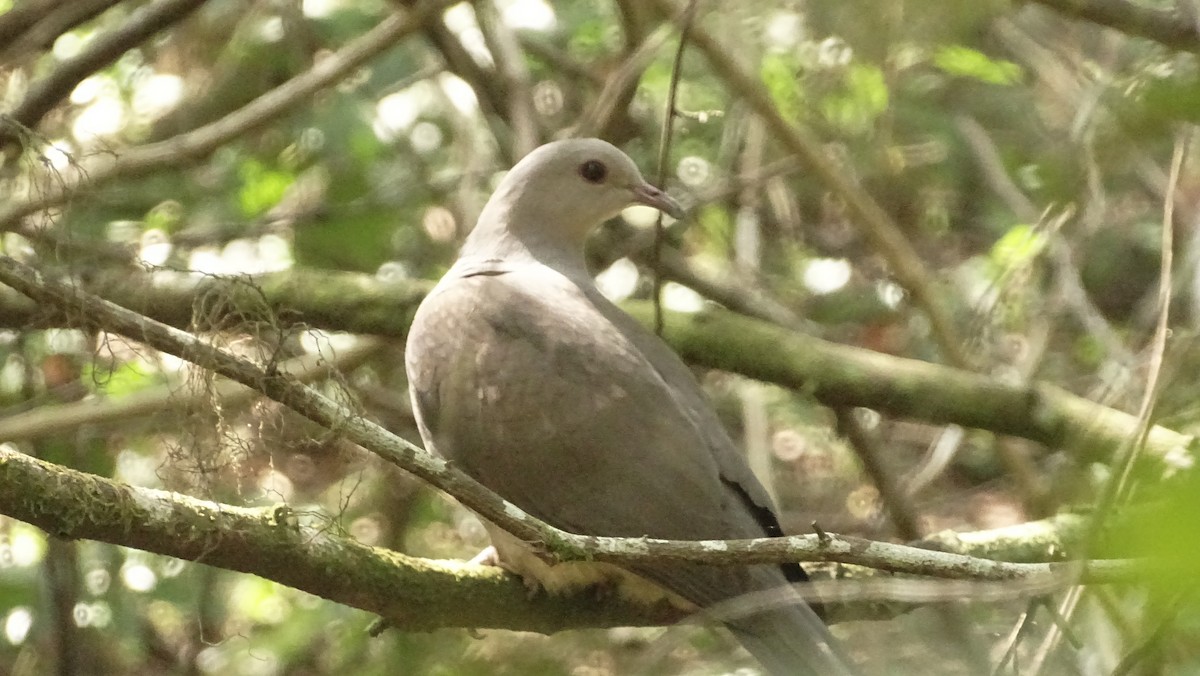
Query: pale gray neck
[509, 234]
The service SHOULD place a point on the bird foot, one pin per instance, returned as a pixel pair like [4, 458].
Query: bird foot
[604, 589]
[486, 557]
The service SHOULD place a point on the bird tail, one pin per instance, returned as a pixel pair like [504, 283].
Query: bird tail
[790, 640]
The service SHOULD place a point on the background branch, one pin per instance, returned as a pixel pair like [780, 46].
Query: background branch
[878, 227]
[47, 92]
[34, 26]
[555, 543]
[202, 141]
[836, 375]
[58, 419]
[1161, 25]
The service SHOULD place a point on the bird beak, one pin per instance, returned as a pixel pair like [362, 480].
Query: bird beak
[653, 197]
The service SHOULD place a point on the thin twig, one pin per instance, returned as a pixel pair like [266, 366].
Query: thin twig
[664, 151]
[903, 514]
[58, 419]
[1022, 628]
[1054, 636]
[1162, 328]
[1127, 453]
[1126, 456]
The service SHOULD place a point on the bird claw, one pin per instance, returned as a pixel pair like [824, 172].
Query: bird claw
[486, 557]
[604, 590]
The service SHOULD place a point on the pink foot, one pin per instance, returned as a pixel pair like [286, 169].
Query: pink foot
[486, 557]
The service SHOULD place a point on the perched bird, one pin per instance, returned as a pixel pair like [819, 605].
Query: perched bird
[532, 382]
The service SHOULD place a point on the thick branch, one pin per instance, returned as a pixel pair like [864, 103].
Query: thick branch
[17, 20]
[275, 543]
[848, 376]
[421, 594]
[836, 375]
[35, 26]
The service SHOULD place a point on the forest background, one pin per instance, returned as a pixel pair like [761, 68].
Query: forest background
[938, 271]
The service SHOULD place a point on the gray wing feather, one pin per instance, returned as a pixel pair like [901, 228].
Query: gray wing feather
[582, 418]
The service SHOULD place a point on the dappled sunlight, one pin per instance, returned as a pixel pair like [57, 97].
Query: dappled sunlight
[826, 275]
[932, 274]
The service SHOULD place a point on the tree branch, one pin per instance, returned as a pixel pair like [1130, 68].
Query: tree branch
[836, 375]
[44, 94]
[880, 230]
[37, 25]
[554, 544]
[59, 419]
[513, 75]
[200, 142]
[303, 552]
[1164, 26]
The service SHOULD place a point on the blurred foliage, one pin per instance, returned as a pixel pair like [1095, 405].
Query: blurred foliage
[967, 62]
[976, 126]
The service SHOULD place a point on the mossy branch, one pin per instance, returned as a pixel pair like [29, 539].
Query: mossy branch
[418, 594]
[836, 375]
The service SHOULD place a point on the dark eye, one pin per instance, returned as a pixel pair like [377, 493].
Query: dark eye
[593, 171]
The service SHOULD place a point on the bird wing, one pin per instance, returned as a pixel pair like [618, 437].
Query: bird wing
[559, 402]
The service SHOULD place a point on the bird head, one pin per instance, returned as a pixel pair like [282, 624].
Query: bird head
[562, 190]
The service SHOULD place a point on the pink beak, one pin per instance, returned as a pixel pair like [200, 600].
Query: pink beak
[653, 197]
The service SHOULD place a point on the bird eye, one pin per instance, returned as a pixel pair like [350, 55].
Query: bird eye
[593, 171]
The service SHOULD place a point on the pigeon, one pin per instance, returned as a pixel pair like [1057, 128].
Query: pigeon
[526, 377]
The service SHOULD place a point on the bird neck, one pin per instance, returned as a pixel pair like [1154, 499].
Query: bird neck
[511, 234]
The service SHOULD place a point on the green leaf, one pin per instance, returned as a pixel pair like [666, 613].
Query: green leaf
[717, 225]
[1168, 100]
[967, 62]
[863, 99]
[127, 378]
[1161, 529]
[262, 187]
[780, 77]
[1017, 248]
